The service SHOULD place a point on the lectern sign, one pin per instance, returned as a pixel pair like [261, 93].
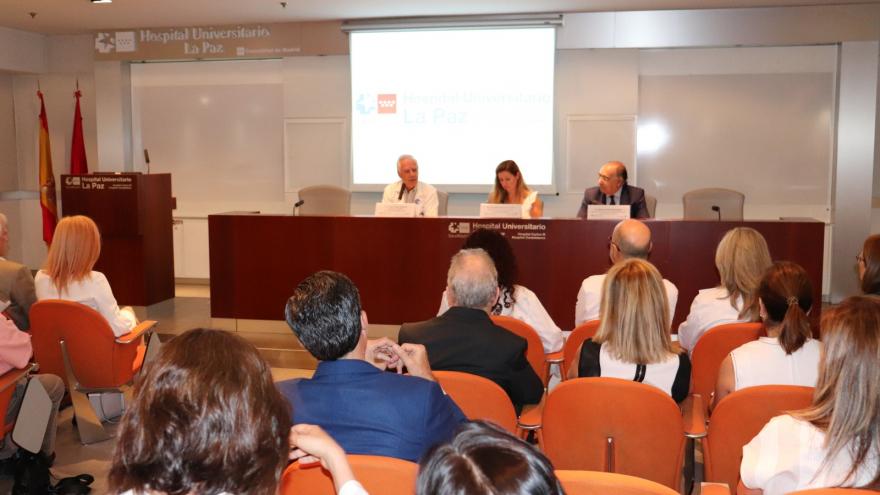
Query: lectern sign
[101, 182]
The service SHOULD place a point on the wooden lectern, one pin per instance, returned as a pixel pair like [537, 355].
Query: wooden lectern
[133, 213]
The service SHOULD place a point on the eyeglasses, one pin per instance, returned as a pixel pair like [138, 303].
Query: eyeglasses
[607, 177]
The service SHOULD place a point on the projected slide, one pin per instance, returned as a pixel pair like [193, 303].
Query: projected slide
[460, 101]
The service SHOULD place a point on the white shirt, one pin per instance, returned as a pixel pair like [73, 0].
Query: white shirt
[787, 454]
[764, 362]
[351, 487]
[527, 204]
[528, 309]
[590, 297]
[94, 291]
[659, 375]
[711, 307]
[424, 195]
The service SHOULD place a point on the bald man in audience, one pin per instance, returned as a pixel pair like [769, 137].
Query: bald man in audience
[409, 190]
[16, 283]
[631, 239]
[464, 337]
[612, 189]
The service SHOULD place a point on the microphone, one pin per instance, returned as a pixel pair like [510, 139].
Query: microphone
[717, 209]
[147, 159]
[297, 205]
[402, 189]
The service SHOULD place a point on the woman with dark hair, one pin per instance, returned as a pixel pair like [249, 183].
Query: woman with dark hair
[836, 441]
[207, 419]
[510, 188]
[869, 265]
[515, 300]
[787, 355]
[482, 459]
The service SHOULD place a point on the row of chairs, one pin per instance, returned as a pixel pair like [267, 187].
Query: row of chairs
[699, 204]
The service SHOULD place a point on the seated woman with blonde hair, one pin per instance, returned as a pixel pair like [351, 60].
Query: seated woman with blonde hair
[510, 188]
[836, 441]
[633, 340]
[68, 273]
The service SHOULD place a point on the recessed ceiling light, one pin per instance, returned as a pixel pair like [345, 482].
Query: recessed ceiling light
[102, 1]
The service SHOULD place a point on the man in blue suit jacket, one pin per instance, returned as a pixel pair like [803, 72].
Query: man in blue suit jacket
[364, 408]
[612, 189]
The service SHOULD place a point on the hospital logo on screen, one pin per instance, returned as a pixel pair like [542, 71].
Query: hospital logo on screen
[387, 103]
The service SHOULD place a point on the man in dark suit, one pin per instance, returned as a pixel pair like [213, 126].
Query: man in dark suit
[16, 283]
[613, 190]
[464, 337]
[365, 409]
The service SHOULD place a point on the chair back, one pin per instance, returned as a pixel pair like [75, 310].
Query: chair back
[442, 202]
[478, 398]
[325, 200]
[385, 475]
[835, 491]
[699, 202]
[535, 349]
[613, 425]
[738, 418]
[97, 360]
[651, 203]
[710, 351]
[582, 332]
[598, 483]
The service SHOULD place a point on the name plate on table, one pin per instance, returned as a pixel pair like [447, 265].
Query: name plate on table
[396, 210]
[608, 212]
[495, 210]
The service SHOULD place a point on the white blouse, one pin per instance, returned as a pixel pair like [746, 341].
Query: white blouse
[589, 299]
[94, 291]
[711, 307]
[764, 362]
[527, 204]
[787, 454]
[528, 309]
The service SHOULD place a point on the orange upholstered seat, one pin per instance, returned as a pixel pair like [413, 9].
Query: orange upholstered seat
[598, 483]
[385, 475]
[582, 332]
[711, 350]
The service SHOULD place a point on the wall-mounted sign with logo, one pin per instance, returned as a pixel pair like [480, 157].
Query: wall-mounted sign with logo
[227, 42]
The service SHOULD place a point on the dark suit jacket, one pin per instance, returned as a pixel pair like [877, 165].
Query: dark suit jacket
[464, 339]
[17, 287]
[368, 411]
[629, 195]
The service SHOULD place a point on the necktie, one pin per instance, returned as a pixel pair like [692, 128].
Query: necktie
[611, 198]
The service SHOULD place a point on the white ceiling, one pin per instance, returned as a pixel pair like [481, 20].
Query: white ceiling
[80, 16]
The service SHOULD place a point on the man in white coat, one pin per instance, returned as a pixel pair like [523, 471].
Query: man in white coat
[409, 190]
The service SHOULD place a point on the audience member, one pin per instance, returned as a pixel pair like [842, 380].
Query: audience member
[869, 265]
[365, 409]
[482, 459]
[515, 300]
[409, 190]
[630, 239]
[614, 190]
[787, 355]
[206, 418]
[464, 337]
[16, 283]
[633, 337]
[510, 188]
[741, 258]
[835, 442]
[68, 273]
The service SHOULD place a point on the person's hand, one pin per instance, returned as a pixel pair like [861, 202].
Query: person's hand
[310, 444]
[380, 353]
[415, 358]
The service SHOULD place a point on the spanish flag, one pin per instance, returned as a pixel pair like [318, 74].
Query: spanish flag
[47, 177]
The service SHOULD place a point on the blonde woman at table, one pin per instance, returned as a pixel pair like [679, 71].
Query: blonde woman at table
[510, 188]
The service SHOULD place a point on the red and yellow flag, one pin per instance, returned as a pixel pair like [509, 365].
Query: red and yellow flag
[47, 177]
[78, 162]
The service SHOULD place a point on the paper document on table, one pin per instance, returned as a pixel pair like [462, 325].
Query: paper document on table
[396, 209]
[608, 212]
[495, 210]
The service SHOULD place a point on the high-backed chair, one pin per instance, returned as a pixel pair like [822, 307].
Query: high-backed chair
[581, 333]
[738, 418]
[479, 398]
[539, 361]
[651, 203]
[442, 202]
[75, 342]
[598, 483]
[385, 475]
[699, 203]
[711, 349]
[325, 200]
[613, 425]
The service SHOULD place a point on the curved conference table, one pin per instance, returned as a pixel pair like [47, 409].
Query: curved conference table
[399, 264]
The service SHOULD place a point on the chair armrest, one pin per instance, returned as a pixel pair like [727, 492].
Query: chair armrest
[11, 377]
[136, 333]
[530, 417]
[693, 417]
[553, 357]
[714, 489]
